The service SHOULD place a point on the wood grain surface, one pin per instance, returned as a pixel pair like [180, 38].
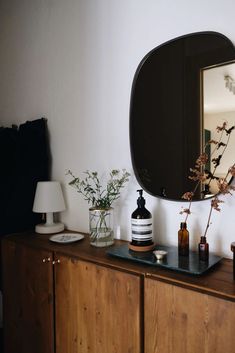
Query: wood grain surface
[90, 302]
[28, 300]
[217, 282]
[97, 308]
[178, 320]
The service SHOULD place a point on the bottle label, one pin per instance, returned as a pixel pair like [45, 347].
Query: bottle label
[141, 229]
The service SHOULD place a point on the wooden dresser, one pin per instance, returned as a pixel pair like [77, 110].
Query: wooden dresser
[74, 298]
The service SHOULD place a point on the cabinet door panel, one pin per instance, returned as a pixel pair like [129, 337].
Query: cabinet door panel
[178, 320]
[97, 309]
[27, 300]
[221, 326]
[172, 317]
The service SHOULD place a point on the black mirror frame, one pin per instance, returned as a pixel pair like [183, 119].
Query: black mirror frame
[229, 57]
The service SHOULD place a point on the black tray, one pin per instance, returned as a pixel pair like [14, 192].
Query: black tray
[191, 264]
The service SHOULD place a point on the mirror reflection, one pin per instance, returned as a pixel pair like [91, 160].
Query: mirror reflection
[219, 107]
[170, 111]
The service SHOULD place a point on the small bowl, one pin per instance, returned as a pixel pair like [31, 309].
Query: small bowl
[160, 254]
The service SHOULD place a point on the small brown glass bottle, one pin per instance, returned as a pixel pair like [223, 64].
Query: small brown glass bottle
[183, 240]
[203, 249]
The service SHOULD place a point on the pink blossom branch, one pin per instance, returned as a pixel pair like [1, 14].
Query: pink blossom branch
[200, 177]
[224, 149]
[224, 188]
[208, 221]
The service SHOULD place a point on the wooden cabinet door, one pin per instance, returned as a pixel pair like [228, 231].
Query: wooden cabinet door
[97, 309]
[178, 320]
[27, 299]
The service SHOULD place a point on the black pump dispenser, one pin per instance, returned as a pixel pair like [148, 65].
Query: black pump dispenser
[141, 224]
[140, 200]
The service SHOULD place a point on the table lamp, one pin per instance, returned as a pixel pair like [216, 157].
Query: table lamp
[48, 199]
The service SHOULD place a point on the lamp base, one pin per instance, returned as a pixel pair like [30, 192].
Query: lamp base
[44, 228]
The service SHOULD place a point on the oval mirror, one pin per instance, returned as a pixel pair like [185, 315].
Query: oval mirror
[177, 89]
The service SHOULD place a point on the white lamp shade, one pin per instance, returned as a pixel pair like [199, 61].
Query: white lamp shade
[48, 197]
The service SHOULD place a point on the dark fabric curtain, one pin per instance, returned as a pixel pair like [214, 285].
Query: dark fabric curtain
[25, 160]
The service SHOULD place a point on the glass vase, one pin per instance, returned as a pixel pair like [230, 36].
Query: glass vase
[101, 227]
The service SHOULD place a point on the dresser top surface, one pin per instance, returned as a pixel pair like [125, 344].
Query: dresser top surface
[218, 281]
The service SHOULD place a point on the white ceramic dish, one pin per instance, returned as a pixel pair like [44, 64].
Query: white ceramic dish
[160, 254]
[65, 238]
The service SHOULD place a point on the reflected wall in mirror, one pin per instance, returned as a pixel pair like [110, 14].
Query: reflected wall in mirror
[219, 107]
[166, 111]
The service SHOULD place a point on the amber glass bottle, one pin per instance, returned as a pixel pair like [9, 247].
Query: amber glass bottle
[203, 249]
[183, 240]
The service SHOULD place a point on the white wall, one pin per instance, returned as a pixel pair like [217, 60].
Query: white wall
[73, 62]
